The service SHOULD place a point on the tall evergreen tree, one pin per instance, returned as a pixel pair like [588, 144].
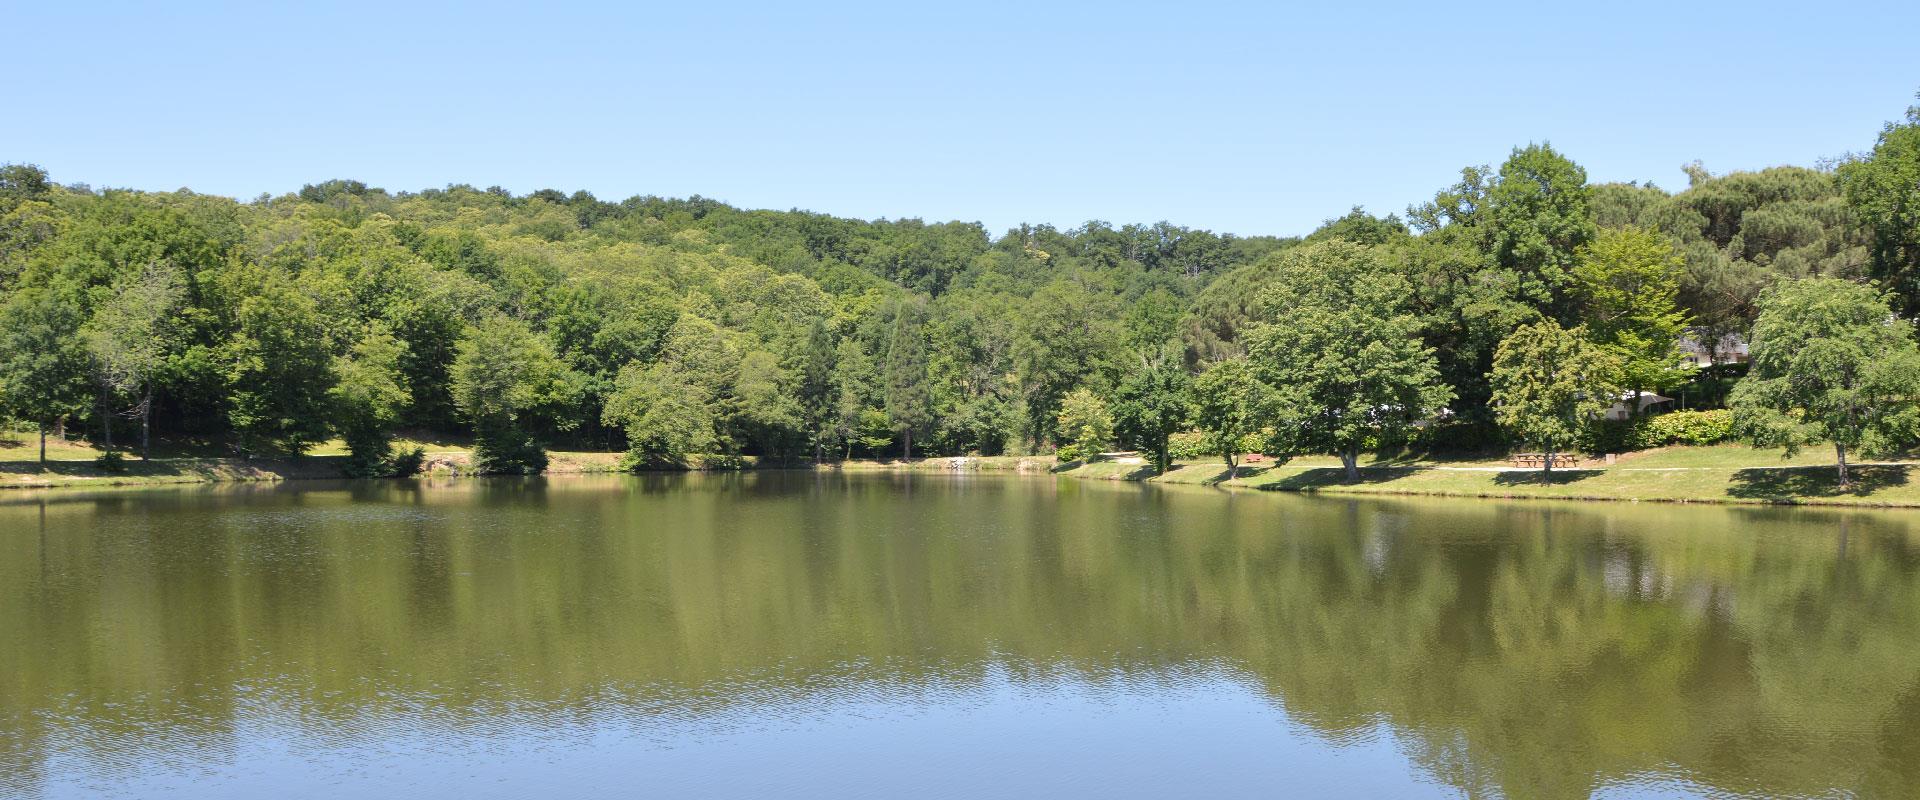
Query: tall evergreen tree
[908, 404]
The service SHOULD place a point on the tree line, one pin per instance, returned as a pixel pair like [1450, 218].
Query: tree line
[1512, 308]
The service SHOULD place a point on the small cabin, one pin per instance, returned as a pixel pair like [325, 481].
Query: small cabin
[1650, 403]
[1730, 348]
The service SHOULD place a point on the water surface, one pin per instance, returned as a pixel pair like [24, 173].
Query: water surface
[787, 634]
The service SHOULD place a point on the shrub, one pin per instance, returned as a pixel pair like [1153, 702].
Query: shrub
[1679, 427]
[1192, 445]
[1189, 445]
[1686, 427]
[507, 452]
[111, 461]
[408, 462]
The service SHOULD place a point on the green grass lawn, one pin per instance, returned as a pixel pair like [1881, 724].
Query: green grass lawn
[1723, 473]
[72, 462]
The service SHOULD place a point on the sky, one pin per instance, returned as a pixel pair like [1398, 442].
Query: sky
[1246, 118]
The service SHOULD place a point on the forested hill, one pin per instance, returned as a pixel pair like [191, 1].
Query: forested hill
[673, 327]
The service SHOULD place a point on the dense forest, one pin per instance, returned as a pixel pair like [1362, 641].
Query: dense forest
[1499, 311]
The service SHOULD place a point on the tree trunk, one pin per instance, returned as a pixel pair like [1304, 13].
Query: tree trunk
[906, 440]
[1232, 467]
[106, 424]
[1350, 459]
[146, 422]
[43, 446]
[1840, 454]
[1546, 466]
[1160, 458]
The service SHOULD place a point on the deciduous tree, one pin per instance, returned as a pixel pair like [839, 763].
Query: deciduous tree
[43, 362]
[1629, 281]
[1341, 348]
[1229, 402]
[1830, 362]
[1550, 383]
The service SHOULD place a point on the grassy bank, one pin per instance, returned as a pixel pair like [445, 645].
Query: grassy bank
[71, 463]
[1718, 474]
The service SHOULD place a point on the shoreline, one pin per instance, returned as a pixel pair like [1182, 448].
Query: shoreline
[1882, 485]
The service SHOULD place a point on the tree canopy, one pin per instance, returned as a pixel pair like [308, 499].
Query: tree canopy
[555, 318]
[1338, 343]
[1831, 363]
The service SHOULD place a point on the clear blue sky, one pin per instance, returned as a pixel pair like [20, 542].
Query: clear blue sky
[1255, 118]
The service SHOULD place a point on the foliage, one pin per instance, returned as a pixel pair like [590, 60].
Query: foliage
[1713, 426]
[1629, 279]
[1342, 351]
[1229, 402]
[1153, 403]
[1551, 384]
[1191, 445]
[43, 366]
[664, 415]
[1540, 216]
[908, 404]
[366, 400]
[279, 371]
[502, 372]
[1085, 425]
[132, 335]
[1686, 427]
[513, 318]
[1832, 363]
[1883, 190]
[1066, 338]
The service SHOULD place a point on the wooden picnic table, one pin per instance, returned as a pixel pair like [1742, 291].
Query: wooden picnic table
[1540, 459]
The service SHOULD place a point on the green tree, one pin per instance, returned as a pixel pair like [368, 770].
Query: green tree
[279, 369]
[816, 395]
[20, 183]
[1550, 384]
[1086, 427]
[1830, 362]
[1883, 189]
[43, 363]
[1153, 319]
[1152, 403]
[367, 399]
[765, 408]
[131, 336]
[1496, 252]
[665, 416]
[1228, 403]
[855, 394]
[1067, 337]
[1629, 281]
[908, 402]
[872, 430]
[1540, 215]
[1341, 348]
[501, 373]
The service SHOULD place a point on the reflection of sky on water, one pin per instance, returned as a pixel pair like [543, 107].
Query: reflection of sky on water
[1191, 731]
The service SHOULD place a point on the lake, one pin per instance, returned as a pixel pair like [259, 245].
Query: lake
[890, 635]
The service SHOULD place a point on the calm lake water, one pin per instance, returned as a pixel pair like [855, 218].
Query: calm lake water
[793, 635]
